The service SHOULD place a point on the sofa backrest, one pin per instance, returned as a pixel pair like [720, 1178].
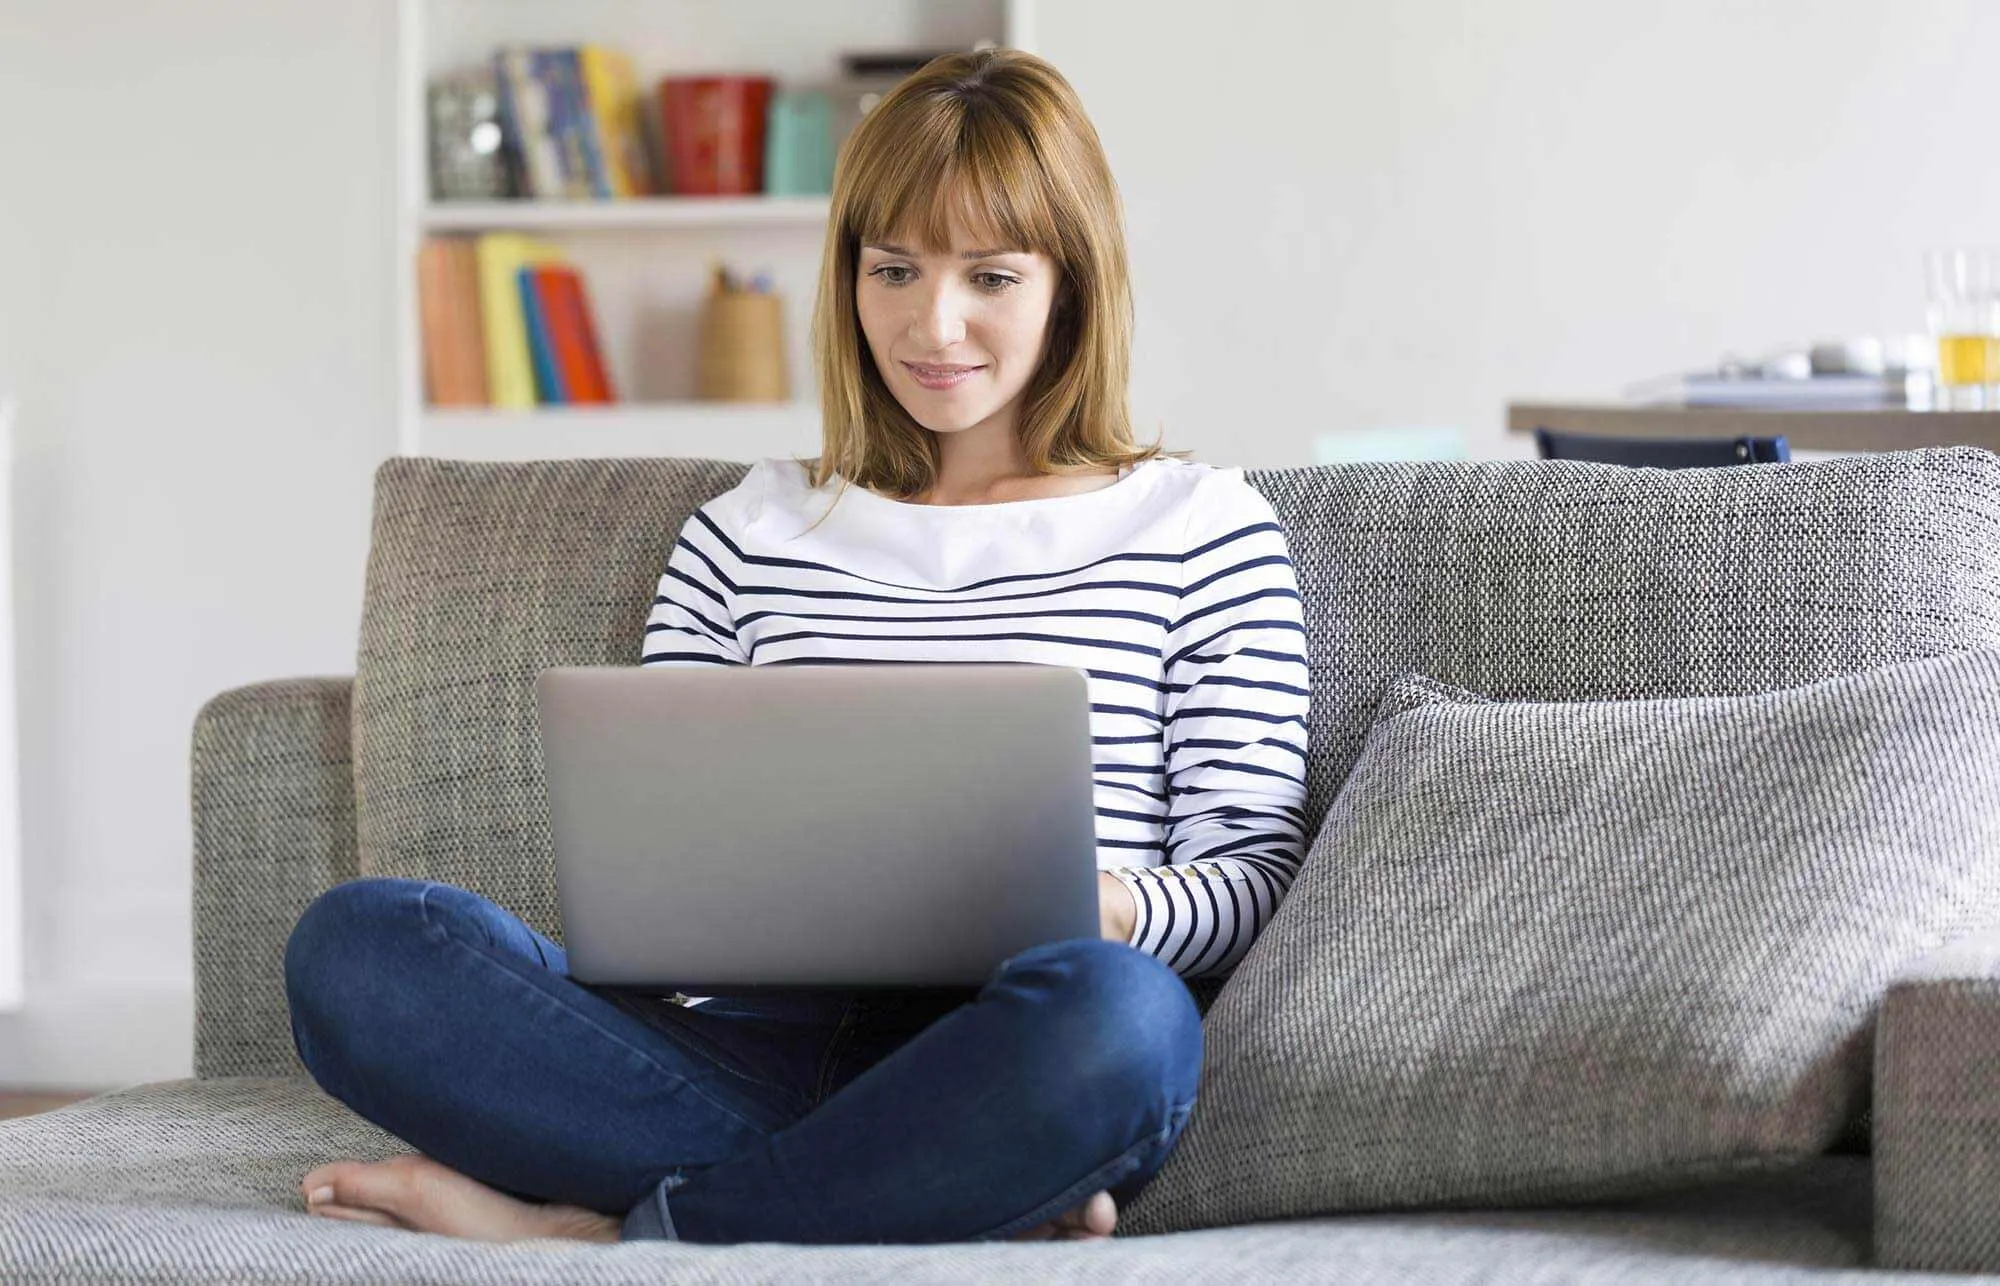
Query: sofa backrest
[1551, 580]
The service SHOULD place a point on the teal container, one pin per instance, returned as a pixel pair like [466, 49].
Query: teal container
[798, 144]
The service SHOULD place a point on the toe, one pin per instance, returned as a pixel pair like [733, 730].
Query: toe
[385, 1186]
[1100, 1214]
[326, 1179]
[355, 1215]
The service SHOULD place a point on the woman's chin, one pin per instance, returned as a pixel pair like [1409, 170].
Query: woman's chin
[931, 419]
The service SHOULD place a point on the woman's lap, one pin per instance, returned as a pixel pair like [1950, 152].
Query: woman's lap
[443, 1018]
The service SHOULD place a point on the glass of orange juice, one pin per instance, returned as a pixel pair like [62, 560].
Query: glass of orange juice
[1965, 320]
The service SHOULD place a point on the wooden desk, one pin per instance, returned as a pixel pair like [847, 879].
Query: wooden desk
[1802, 430]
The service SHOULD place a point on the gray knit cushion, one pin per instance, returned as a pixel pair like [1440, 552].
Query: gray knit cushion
[1549, 951]
[197, 1181]
[479, 575]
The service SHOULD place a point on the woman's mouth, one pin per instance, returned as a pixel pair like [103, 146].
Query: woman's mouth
[940, 377]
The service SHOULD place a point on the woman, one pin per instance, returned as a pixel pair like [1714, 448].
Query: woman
[978, 498]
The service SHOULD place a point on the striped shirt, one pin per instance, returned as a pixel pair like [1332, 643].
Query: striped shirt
[1172, 588]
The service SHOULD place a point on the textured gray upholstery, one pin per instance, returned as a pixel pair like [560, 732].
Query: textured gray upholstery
[478, 576]
[1545, 579]
[1937, 1111]
[1557, 951]
[273, 827]
[191, 1181]
[1550, 580]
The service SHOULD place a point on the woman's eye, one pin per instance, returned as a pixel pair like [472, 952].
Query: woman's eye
[896, 274]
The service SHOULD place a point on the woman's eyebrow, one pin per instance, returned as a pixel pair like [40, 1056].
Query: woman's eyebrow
[970, 254]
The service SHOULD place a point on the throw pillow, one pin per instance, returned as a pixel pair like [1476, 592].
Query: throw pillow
[1560, 951]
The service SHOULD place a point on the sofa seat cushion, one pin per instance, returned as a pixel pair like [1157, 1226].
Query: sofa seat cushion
[197, 1181]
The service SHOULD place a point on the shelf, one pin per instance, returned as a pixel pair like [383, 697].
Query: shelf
[697, 430]
[1893, 429]
[633, 212]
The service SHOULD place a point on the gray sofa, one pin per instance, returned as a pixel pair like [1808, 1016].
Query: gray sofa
[1550, 581]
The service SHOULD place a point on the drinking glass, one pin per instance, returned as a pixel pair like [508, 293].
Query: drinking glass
[1965, 322]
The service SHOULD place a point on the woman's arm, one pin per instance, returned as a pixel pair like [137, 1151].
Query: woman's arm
[1117, 910]
[1237, 690]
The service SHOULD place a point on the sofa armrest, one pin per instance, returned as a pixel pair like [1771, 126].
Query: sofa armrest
[1937, 1111]
[273, 801]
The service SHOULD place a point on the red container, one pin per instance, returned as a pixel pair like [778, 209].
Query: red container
[714, 132]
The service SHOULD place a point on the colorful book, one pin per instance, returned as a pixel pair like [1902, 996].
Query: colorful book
[510, 373]
[565, 311]
[454, 334]
[552, 69]
[582, 123]
[612, 91]
[541, 353]
[597, 375]
[524, 111]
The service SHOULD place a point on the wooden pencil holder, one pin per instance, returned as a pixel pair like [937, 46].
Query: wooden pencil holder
[743, 347]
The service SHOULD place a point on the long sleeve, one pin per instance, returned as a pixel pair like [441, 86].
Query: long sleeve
[692, 621]
[1237, 692]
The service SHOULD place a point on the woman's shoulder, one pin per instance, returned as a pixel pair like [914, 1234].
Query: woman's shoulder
[1214, 492]
[734, 508]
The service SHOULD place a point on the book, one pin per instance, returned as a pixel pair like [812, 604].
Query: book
[552, 69]
[583, 124]
[597, 375]
[453, 332]
[524, 115]
[612, 91]
[510, 375]
[541, 354]
[572, 337]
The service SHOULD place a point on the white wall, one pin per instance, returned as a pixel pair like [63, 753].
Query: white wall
[195, 309]
[1356, 215]
[1344, 215]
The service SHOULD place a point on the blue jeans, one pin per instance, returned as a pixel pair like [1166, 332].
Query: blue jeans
[886, 1116]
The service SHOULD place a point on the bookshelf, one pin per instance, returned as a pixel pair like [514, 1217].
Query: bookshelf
[546, 217]
[647, 260]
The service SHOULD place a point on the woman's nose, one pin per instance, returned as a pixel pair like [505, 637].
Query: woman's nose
[939, 322]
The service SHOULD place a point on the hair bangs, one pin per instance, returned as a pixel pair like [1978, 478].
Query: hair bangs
[973, 172]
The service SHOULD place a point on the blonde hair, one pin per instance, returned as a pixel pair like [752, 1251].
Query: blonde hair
[998, 137]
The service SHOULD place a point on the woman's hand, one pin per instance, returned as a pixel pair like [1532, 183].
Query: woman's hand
[1117, 913]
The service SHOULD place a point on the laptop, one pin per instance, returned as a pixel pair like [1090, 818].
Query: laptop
[734, 829]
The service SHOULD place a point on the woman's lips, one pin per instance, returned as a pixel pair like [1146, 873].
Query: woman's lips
[941, 377]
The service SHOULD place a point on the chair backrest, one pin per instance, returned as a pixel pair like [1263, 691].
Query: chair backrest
[1545, 580]
[1661, 453]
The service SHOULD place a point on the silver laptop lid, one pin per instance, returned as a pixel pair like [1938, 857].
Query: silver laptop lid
[726, 828]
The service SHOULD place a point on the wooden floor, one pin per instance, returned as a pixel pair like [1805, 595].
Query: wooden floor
[29, 1102]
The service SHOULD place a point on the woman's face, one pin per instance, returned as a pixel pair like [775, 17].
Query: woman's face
[956, 334]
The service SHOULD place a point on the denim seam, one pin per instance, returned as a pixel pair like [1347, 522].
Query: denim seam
[423, 907]
[830, 1060]
[1091, 1183]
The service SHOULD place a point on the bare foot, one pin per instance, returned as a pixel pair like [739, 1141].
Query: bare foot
[1093, 1219]
[423, 1195]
